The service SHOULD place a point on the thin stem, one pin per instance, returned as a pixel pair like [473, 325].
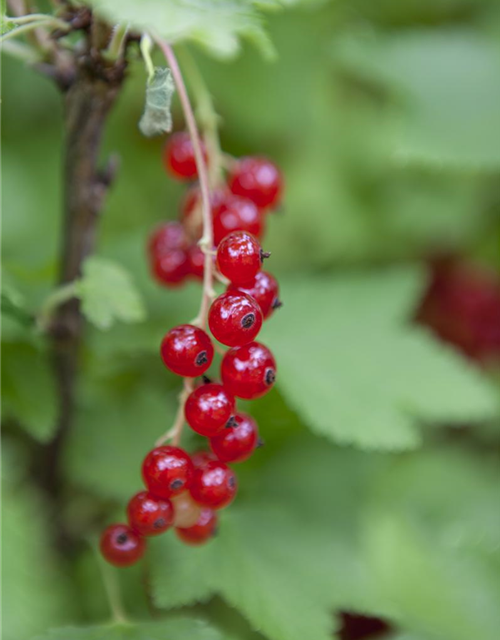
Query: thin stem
[146, 45]
[174, 434]
[112, 588]
[117, 43]
[207, 240]
[54, 300]
[208, 117]
[20, 51]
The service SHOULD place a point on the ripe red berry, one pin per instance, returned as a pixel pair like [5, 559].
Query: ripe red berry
[237, 214]
[149, 516]
[186, 510]
[179, 158]
[263, 289]
[167, 471]
[204, 528]
[236, 444]
[234, 319]
[214, 485]
[187, 351]
[208, 408]
[171, 267]
[196, 259]
[239, 257]
[249, 371]
[121, 546]
[170, 235]
[257, 179]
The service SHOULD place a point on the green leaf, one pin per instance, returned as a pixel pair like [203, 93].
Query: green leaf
[108, 294]
[217, 25]
[175, 628]
[28, 389]
[355, 369]
[447, 85]
[30, 565]
[157, 118]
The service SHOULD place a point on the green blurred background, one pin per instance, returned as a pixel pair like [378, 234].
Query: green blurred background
[385, 118]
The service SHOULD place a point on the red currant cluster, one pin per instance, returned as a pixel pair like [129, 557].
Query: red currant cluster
[254, 186]
[462, 306]
[186, 491]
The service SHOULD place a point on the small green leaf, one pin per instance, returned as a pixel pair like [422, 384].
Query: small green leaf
[175, 628]
[359, 372]
[157, 118]
[108, 294]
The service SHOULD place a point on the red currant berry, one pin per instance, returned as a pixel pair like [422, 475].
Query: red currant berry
[239, 257]
[237, 214]
[204, 528]
[234, 319]
[179, 158]
[236, 444]
[214, 485]
[200, 458]
[121, 546]
[167, 471]
[166, 237]
[171, 268]
[187, 351]
[257, 179]
[149, 516]
[249, 371]
[186, 510]
[208, 408]
[196, 259]
[264, 290]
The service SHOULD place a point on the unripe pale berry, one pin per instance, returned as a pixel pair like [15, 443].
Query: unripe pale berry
[186, 510]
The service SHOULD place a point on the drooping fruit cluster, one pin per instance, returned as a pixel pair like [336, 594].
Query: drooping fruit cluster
[185, 491]
[462, 306]
[253, 187]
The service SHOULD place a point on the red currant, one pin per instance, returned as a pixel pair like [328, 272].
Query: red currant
[187, 351]
[196, 259]
[149, 516]
[249, 371]
[263, 289]
[257, 179]
[237, 214]
[186, 510]
[121, 546]
[166, 237]
[179, 158]
[204, 528]
[234, 319]
[171, 267]
[167, 471]
[239, 257]
[208, 408]
[236, 444]
[214, 485]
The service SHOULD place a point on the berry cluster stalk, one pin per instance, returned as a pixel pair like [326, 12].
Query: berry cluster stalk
[207, 241]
